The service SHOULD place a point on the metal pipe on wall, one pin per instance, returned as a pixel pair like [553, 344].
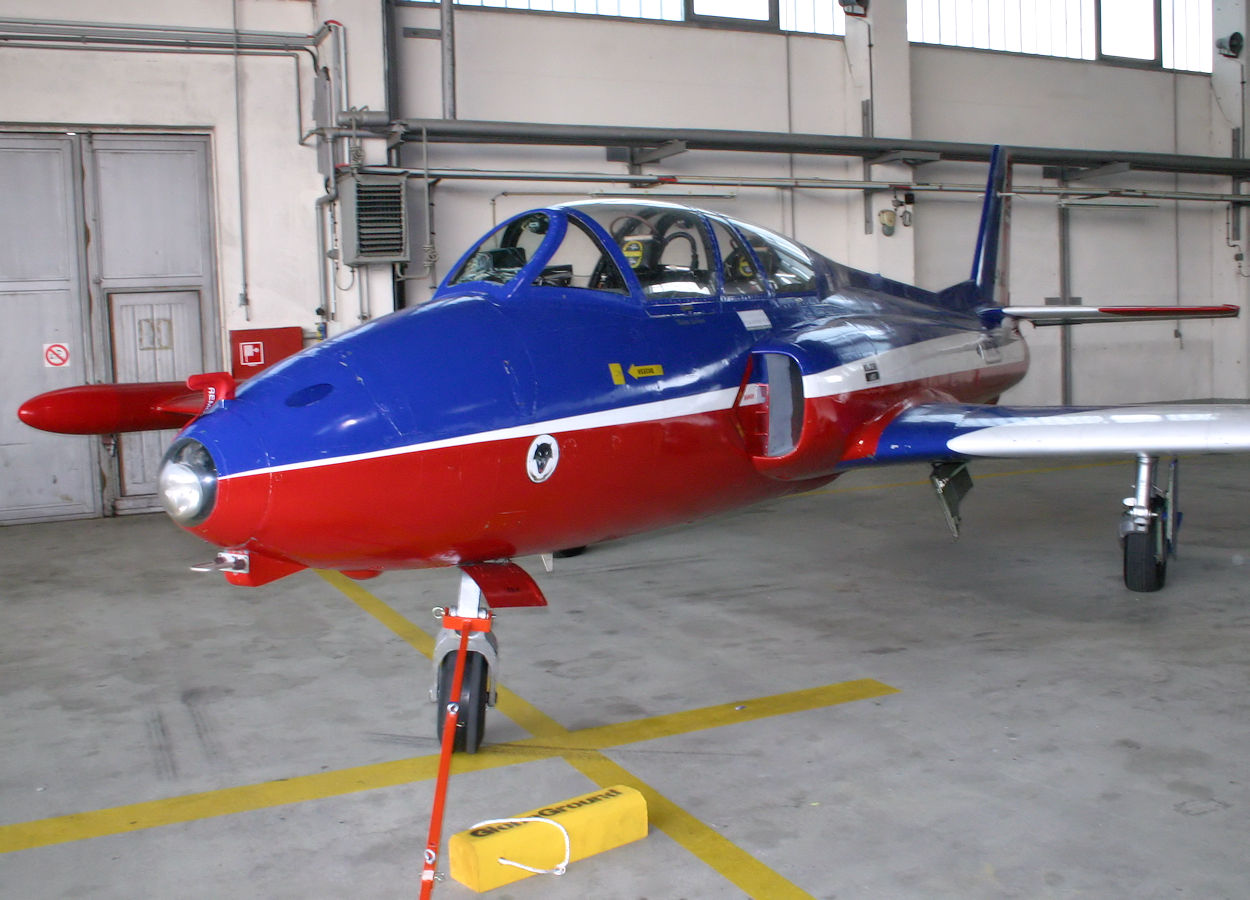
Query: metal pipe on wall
[1065, 299]
[53, 31]
[1058, 193]
[470, 131]
[244, 300]
[447, 26]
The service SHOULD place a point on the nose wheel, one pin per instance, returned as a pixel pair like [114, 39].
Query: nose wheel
[474, 694]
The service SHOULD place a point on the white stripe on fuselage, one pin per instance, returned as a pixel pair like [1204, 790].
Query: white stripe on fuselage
[713, 401]
[927, 359]
[962, 352]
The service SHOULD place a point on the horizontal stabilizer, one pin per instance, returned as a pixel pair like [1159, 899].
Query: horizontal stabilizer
[1079, 315]
[941, 431]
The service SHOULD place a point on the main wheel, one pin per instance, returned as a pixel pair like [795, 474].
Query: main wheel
[471, 723]
[1145, 558]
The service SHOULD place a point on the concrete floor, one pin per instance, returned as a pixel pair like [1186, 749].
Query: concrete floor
[1052, 735]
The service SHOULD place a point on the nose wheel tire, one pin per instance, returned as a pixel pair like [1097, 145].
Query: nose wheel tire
[471, 724]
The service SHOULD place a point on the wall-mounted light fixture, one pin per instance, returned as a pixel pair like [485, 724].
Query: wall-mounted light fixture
[1231, 46]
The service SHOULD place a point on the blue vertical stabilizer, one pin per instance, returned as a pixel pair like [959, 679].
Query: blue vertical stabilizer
[987, 284]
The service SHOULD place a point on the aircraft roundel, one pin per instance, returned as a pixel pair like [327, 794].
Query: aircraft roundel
[543, 457]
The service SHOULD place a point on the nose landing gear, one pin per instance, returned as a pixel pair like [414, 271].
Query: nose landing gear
[483, 587]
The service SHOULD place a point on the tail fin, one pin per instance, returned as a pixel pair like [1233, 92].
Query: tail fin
[987, 285]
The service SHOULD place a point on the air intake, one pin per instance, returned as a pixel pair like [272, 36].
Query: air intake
[374, 218]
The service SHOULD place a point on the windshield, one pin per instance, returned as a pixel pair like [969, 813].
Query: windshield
[505, 251]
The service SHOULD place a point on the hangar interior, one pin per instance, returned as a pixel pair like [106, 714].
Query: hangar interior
[177, 176]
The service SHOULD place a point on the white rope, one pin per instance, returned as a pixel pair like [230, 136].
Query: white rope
[558, 870]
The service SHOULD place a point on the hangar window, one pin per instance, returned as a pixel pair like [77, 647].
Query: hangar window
[1073, 29]
[804, 16]
[1173, 34]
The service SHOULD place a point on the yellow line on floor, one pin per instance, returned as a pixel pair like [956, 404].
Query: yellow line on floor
[604, 736]
[404, 628]
[581, 749]
[574, 744]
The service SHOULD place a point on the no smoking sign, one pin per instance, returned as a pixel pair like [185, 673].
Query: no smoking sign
[56, 356]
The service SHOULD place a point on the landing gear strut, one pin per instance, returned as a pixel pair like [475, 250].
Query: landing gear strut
[481, 662]
[483, 587]
[1148, 527]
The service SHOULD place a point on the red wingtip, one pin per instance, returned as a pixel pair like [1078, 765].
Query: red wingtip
[104, 408]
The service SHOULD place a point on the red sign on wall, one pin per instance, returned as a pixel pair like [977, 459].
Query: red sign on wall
[253, 350]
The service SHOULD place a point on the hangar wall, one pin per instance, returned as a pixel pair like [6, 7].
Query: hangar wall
[546, 68]
[565, 69]
[550, 68]
[120, 90]
[1157, 252]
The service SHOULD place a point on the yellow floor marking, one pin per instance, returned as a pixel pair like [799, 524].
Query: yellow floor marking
[404, 628]
[581, 750]
[574, 745]
[605, 736]
[705, 843]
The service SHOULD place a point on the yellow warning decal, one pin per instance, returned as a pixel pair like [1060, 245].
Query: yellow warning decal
[635, 372]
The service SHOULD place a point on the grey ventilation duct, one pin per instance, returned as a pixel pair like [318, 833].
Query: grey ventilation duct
[374, 218]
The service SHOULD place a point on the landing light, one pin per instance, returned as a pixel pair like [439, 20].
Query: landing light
[187, 482]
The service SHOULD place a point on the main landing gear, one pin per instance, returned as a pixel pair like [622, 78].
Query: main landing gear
[1148, 527]
[483, 586]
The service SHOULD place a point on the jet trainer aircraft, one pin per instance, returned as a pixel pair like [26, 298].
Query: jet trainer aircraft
[599, 369]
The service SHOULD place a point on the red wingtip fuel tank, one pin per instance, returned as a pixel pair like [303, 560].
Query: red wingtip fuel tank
[121, 408]
[109, 408]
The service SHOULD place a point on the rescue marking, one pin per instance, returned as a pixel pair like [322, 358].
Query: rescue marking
[635, 372]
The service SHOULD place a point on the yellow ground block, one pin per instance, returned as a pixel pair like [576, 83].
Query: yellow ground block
[595, 822]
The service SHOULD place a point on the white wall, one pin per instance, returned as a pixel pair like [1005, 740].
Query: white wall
[1164, 253]
[542, 68]
[109, 90]
[564, 69]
